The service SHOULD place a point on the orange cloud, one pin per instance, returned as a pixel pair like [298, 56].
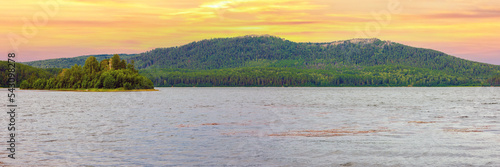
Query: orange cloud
[460, 27]
[471, 14]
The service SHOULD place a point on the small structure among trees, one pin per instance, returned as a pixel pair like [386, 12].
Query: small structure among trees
[109, 74]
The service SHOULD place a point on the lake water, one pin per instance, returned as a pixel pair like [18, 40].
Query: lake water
[258, 127]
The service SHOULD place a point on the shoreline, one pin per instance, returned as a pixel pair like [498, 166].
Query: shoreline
[139, 90]
[98, 90]
[453, 86]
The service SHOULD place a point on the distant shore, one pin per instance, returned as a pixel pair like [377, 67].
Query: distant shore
[98, 90]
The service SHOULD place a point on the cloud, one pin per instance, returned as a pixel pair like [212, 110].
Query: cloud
[259, 9]
[464, 14]
[141, 25]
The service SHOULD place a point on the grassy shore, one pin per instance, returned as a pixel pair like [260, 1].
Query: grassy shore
[101, 90]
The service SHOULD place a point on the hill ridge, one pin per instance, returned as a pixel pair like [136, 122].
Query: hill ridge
[266, 60]
[272, 51]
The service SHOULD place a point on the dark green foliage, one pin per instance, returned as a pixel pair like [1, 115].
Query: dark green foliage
[271, 51]
[53, 71]
[131, 66]
[123, 64]
[109, 82]
[24, 85]
[91, 65]
[495, 80]
[91, 76]
[267, 61]
[39, 84]
[68, 62]
[358, 61]
[115, 62]
[104, 64]
[23, 72]
[144, 82]
[382, 75]
[128, 86]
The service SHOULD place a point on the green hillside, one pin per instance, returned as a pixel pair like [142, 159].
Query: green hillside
[108, 74]
[273, 61]
[269, 51]
[23, 72]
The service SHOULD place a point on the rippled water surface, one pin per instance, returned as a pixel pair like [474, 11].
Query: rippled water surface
[259, 127]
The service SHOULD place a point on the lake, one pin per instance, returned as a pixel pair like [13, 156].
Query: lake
[258, 127]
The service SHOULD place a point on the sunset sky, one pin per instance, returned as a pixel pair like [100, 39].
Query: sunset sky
[44, 29]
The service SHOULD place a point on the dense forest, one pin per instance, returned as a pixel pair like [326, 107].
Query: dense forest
[109, 74]
[278, 76]
[69, 62]
[273, 61]
[269, 51]
[23, 72]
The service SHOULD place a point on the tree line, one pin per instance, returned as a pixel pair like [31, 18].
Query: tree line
[275, 76]
[239, 52]
[23, 72]
[339, 62]
[109, 74]
[69, 62]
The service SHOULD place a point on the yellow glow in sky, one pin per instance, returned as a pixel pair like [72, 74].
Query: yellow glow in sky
[67, 28]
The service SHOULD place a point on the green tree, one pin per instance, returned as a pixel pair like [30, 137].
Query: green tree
[104, 64]
[25, 85]
[131, 66]
[91, 75]
[115, 62]
[109, 82]
[39, 84]
[123, 64]
[128, 86]
[91, 65]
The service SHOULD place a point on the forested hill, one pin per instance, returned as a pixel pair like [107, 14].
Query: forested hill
[269, 51]
[273, 61]
[24, 72]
